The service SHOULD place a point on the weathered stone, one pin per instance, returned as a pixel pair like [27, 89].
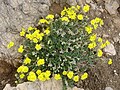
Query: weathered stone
[71, 2]
[116, 39]
[111, 6]
[37, 85]
[74, 88]
[108, 88]
[110, 50]
[15, 14]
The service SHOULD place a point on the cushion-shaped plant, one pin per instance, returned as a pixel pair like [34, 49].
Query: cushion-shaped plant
[61, 47]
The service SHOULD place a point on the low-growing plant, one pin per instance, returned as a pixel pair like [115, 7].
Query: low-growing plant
[62, 47]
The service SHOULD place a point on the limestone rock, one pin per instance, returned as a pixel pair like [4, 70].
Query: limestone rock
[110, 50]
[108, 88]
[37, 85]
[71, 2]
[111, 6]
[15, 14]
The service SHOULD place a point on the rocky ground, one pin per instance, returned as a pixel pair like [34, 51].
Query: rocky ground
[15, 14]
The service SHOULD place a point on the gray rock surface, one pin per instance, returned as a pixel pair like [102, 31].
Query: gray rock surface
[51, 84]
[72, 2]
[48, 85]
[110, 50]
[15, 14]
[111, 6]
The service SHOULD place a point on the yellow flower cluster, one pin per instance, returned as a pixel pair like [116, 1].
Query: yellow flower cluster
[50, 16]
[97, 21]
[32, 76]
[93, 37]
[35, 36]
[47, 31]
[92, 45]
[72, 13]
[86, 8]
[22, 76]
[57, 77]
[70, 75]
[43, 76]
[41, 21]
[38, 47]
[20, 49]
[22, 33]
[110, 61]
[80, 17]
[47, 20]
[22, 69]
[76, 78]
[84, 76]
[99, 53]
[103, 45]
[65, 19]
[11, 44]
[64, 73]
[27, 60]
[40, 62]
[88, 29]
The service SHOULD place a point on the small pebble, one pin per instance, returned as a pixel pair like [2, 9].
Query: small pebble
[108, 88]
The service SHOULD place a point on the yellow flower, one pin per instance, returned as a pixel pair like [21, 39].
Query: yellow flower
[80, 17]
[22, 69]
[57, 77]
[76, 78]
[40, 62]
[65, 19]
[93, 22]
[93, 37]
[86, 8]
[38, 47]
[43, 21]
[100, 39]
[30, 28]
[97, 20]
[78, 7]
[35, 40]
[70, 74]
[22, 76]
[31, 76]
[72, 16]
[107, 43]
[11, 44]
[95, 26]
[92, 45]
[64, 73]
[110, 62]
[20, 49]
[101, 22]
[99, 53]
[22, 33]
[38, 72]
[48, 72]
[84, 76]
[29, 36]
[102, 45]
[47, 31]
[41, 77]
[27, 60]
[88, 29]
[50, 16]
[63, 13]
